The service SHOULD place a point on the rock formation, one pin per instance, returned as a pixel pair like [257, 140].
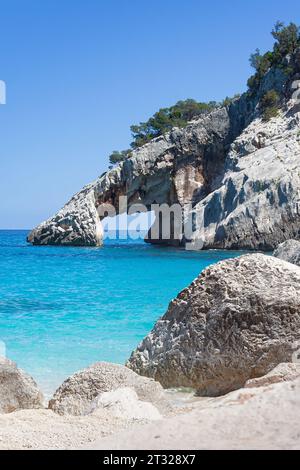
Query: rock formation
[238, 173]
[77, 223]
[237, 320]
[79, 393]
[264, 415]
[176, 168]
[257, 204]
[289, 251]
[17, 389]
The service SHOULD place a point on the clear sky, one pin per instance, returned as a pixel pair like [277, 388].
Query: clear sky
[80, 72]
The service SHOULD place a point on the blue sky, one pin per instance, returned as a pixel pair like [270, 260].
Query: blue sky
[80, 72]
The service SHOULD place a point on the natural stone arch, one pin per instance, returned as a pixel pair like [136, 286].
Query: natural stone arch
[178, 168]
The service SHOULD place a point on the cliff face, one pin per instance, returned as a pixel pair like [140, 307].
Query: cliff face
[77, 223]
[257, 205]
[239, 173]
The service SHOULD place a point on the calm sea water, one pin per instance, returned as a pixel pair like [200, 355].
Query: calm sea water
[62, 309]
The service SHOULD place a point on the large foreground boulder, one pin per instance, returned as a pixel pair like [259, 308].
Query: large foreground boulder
[17, 389]
[289, 251]
[79, 394]
[237, 320]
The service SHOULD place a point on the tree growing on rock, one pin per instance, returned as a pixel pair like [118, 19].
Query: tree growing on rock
[269, 105]
[161, 122]
[287, 40]
[167, 118]
[117, 157]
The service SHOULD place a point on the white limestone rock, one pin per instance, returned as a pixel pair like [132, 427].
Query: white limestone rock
[18, 390]
[124, 403]
[236, 321]
[257, 205]
[175, 168]
[77, 394]
[282, 373]
[289, 251]
[77, 223]
[239, 173]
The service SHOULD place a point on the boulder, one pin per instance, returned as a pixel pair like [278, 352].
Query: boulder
[77, 394]
[289, 251]
[238, 320]
[124, 403]
[17, 389]
[282, 373]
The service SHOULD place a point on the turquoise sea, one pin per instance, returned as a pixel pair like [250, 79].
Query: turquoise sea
[62, 309]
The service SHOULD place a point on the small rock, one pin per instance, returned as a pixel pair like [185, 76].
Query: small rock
[124, 403]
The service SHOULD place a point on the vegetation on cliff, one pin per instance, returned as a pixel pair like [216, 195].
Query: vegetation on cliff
[161, 122]
[287, 40]
[167, 118]
[269, 105]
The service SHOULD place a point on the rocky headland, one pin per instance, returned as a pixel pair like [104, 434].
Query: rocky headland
[237, 170]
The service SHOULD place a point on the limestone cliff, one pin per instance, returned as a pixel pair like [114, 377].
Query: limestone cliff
[179, 167]
[239, 173]
[257, 205]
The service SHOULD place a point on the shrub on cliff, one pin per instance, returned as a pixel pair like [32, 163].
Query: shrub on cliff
[269, 105]
[229, 100]
[117, 157]
[167, 118]
[161, 122]
[287, 40]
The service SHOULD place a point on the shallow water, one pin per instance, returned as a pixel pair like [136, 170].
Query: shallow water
[62, 309]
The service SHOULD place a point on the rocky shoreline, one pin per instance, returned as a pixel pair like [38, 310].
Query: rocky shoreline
[262, 417]
[233, 335]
